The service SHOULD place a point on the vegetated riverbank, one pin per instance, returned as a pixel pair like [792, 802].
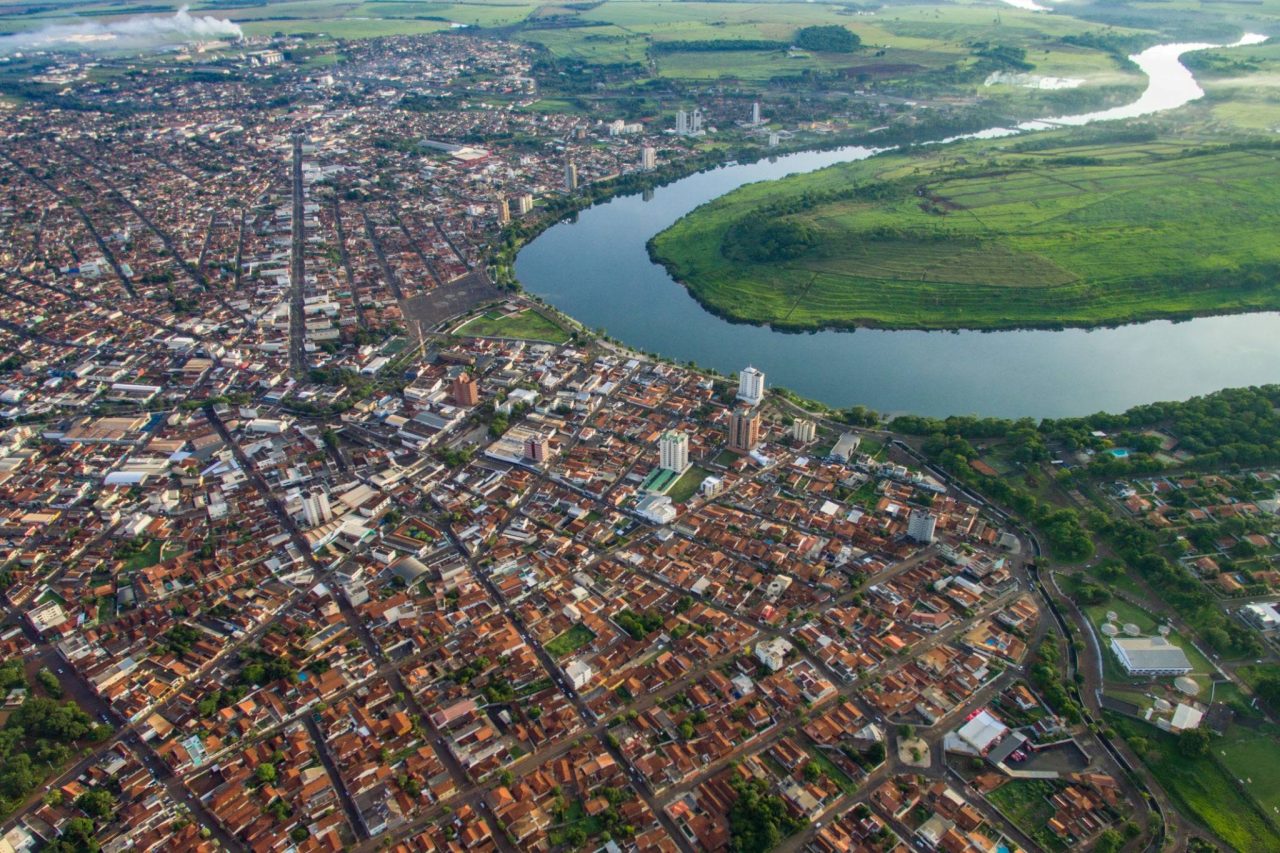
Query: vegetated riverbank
[1076, 228]
[932, 126]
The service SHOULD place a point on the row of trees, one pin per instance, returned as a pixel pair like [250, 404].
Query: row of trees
[1236, 427]
[714, 45]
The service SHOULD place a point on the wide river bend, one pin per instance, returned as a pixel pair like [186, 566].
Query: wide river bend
[596, 269]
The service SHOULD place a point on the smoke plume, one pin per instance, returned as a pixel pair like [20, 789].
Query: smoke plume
[140, 32]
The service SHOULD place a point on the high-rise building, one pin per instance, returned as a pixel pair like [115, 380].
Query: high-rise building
[648, 158]
[537, 448]
[744, 430]
[803, 431]
[524, 204]
[315, 508]
[751, 386]
[464, 391]
[504, 212]
[673, 448]
[689, 123]
[920, 526]
[755, 114]
[570, 176]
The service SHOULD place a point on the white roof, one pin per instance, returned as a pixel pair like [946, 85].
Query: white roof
[982, 731]
[1186, 717]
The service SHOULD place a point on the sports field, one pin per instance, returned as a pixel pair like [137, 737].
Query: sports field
[990, 235]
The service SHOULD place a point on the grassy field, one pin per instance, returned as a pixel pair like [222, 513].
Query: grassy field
[1026, 804]
[570, 641]
[1201, 789]
[529, 325]
[688, 484]
[985, 235]
[1253, 755]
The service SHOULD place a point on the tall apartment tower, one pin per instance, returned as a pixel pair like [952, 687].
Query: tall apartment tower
[751, 386]
[524, 204]
[755, 114]
[464, 391]
[316, 509]
[920, 526]
[648, 158]
[803, 431]
[673, 447]
[537, 448]
[504, 211]
[696, 121]
[682, 123]
[570, 176]
[744, 430]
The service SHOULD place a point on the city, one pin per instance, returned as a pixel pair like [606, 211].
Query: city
[323, 533]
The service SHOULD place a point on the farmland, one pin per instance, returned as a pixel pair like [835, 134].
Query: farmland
[992, 235]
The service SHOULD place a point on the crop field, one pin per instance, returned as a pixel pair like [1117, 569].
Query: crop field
[1202, 790]
[986, 236]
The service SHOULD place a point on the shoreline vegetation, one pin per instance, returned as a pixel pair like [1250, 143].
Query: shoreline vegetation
[1067, 229]
[504, 250]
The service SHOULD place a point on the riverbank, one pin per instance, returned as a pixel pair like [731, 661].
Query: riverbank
[927, 129]
[1081, 229]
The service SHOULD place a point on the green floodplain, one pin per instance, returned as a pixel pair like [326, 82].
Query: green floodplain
[1059, 229]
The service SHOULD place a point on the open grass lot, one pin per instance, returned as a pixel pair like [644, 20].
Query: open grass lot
[985, 235]
[688, 484]
[529, 325]
[1201, 788]
[1253, 755]
[570, 641]
[1026, 804]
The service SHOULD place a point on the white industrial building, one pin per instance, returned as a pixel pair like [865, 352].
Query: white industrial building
[1150, 656]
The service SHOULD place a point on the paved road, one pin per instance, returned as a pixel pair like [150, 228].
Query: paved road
[297, 268]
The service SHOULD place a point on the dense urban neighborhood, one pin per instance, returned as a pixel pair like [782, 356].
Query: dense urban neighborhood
[318, 533]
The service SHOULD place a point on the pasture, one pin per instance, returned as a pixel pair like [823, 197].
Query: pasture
[991, 235]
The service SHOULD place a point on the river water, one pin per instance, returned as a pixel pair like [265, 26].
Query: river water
[596, 269]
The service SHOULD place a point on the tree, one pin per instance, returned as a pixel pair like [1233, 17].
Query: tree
[49, 682]
[829, 39]
[18, 776]
[757, 819]
[1109, 841]
[77, 837]
[98, 803]
[1269, 690]
[1193, 743]
[266, 773]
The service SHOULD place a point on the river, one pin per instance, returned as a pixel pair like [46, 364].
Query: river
[596, 269]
